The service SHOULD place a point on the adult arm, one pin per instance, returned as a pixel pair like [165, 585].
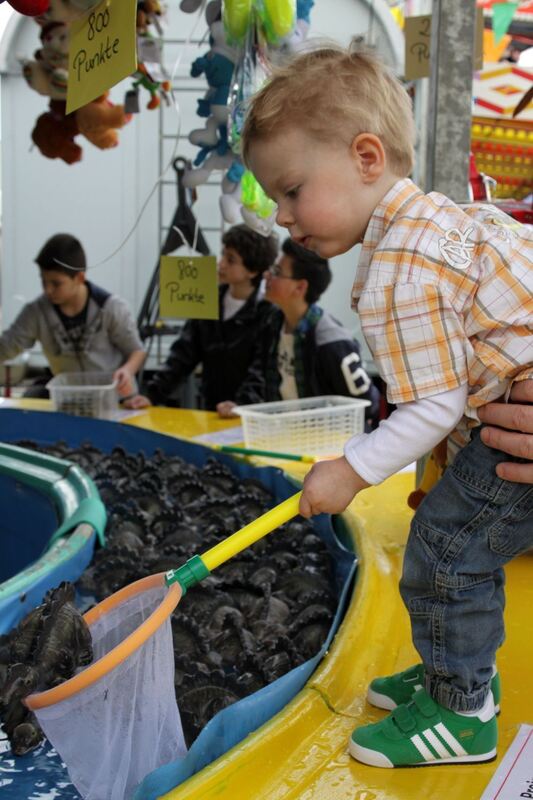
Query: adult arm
[509, 427]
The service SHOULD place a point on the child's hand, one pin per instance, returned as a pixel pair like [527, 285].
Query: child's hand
[124, 380]
[329, 487]
[225, 409]
[137, 401]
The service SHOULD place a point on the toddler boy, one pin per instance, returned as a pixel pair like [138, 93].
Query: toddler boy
[445, 298]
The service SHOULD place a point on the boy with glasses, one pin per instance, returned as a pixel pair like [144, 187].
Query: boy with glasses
[307, 352]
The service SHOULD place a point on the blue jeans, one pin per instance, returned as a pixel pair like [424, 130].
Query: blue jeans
[464, 531]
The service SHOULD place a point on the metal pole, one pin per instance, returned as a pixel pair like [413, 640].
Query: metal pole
[450, 98]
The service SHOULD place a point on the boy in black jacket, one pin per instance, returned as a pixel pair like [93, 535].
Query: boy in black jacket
[306, 352]
[224, 347]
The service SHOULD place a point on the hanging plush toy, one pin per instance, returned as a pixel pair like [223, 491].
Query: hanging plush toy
[276, 19]
[251, 26]
[64, 10]
[148, 13]
[296, 38]
[157, 89]
[55, 131]
[99, 121]
[30, 8]
[54, 134]
[217, 65]
[48, 74]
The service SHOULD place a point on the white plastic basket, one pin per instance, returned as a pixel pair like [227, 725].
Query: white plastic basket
[86, 394]
[308, 426]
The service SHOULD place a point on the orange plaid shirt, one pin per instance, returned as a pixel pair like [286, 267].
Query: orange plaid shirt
[445, 296]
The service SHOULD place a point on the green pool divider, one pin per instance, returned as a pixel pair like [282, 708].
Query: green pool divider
[81, 514]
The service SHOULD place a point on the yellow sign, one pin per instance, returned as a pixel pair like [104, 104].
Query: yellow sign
[102, 51]
[188, 287]
[418, 45]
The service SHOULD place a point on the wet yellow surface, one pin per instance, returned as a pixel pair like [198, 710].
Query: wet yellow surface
[302, 753]
[183, 423]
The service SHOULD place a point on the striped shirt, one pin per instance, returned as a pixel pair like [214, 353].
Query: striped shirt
[445, 297]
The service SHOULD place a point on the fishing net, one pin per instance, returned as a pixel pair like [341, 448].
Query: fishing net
[117, 720]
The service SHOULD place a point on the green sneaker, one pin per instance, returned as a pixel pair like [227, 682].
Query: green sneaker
[423, 733]
[397, 689]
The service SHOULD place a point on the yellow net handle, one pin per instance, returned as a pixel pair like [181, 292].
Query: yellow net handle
[255, 530]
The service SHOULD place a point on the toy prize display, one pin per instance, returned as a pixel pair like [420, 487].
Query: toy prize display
[244, 36]
[502, 141]
[55, 131]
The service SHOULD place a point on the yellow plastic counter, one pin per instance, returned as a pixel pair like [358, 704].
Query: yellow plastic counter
[302, 752]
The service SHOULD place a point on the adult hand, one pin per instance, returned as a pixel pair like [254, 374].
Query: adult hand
[329, 487]
[514, 431]
[225, 409]
[137, 401]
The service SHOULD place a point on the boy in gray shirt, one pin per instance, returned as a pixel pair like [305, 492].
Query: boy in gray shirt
[81, 327]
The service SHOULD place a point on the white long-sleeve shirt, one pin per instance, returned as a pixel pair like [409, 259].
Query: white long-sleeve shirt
[410, 432]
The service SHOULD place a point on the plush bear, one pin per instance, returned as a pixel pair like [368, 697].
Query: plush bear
[98, 121]
[54, 133]
[48, 74]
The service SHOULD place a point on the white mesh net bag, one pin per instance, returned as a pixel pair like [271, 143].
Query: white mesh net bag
[117, 720]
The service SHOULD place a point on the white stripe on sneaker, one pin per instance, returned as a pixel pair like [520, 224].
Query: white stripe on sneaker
[424, 751]
[450, 739]
[436, 743]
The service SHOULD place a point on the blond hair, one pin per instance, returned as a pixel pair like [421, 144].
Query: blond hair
[333, 92]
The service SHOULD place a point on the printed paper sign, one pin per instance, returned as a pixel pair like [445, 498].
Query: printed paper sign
[513, 780]
[102, 51]
[188, 287]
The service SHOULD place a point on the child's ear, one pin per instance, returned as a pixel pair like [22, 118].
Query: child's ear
[303, 286]
[369, 153]
[79, 277]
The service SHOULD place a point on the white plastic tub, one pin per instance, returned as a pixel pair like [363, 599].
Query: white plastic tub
[86, 394]
[308, 426]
